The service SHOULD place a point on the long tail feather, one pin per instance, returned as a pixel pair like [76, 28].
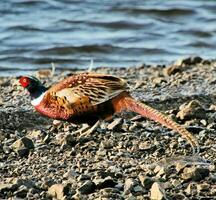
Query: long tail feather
[126, 102]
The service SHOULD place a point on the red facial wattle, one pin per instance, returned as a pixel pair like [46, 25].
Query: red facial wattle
[24, 81]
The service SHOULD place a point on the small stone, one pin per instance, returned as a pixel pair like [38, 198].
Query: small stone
[212, 107]
[175, 182]
[180, 65]
[68, 140]
[115, 124]
[180, 166]
[43, 73]
[173, 69]
[90, 130]
[204, 122]
[145, 146]
[146, 181]
[57, 122]
[194, 173]
[109, 193]
[101, 153]
[70, 174]
[203, 187]
[157, 192]
[1, 102]
[128, 186]
[213, 178]
[158, 80]
[191, 110]
[36, 135]
[108, 144]
[83, 177]
[22, 146]
[58, 191]
[87, 187]
[179, 197]
[191, 189]
[138, 189]
[104, 183]
[21, 191]
[6, 187]
[161, 173]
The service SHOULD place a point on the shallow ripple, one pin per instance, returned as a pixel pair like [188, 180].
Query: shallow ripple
[70, 33]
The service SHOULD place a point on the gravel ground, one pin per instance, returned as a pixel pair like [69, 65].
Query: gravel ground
[128, 157]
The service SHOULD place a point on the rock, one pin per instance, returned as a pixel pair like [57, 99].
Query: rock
[115, 124]
[1, 102]
[22, 146]
[7, 187]
[181, 64]
[180, 166]
[145, 146]
[68, 140]
[43, 73]
[146, 181]
[157, 192]
[138, 189]
[191, 189]
[90, 130]
[110, 193]
[179, 197]
[129, 185]
[203, 187]
[57, 122]
[104, 183]
[191, 110]
[173, 69]
[87, 187]
[212, 107]
[108, 144]
[203, 122]
[36, 135]
[194, 173]
[21, 192]
[83, 177]
[160, 171]
[58, 191]
[192, 60]
[158, 80]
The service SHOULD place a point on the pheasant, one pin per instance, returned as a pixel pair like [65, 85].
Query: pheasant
[88, 96]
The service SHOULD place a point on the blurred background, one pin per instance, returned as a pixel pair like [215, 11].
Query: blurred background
[120, 33]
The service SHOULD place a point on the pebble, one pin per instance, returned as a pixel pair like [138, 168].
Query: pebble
[157, 192]
[191, 189]
[87, 187]
[104, 183]
[203, 187]
[129, 185]
[58, 191]
[115, 124]
[194, 173]
[22, 146]
[193, 109]
[146, 181]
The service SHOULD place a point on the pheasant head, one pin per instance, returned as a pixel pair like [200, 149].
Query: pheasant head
[34, 87]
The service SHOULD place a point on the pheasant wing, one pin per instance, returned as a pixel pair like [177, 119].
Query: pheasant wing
[87, 89]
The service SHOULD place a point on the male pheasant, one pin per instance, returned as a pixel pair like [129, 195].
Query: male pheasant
[87, 96]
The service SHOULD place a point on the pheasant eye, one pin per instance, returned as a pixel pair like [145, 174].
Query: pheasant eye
[24, 81]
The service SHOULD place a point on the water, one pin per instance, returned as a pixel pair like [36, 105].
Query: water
[69, 33]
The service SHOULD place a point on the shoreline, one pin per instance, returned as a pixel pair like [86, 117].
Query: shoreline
[126, 158]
